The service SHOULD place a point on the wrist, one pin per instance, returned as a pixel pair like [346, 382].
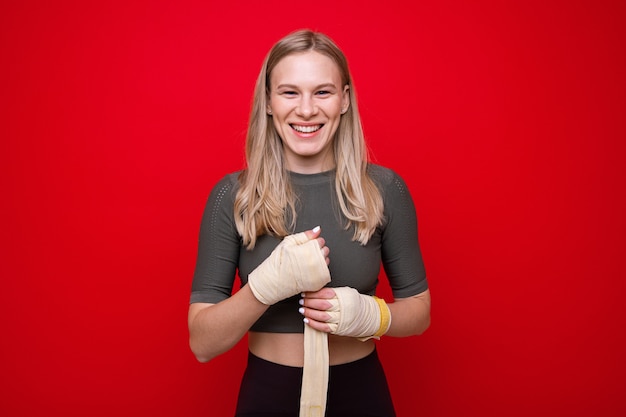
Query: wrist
[385, 317]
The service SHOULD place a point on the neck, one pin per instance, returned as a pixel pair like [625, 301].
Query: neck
[311, 165]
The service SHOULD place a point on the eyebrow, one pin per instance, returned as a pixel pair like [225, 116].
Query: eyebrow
[325, 85]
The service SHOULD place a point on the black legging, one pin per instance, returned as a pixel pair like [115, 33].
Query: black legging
[357, 388]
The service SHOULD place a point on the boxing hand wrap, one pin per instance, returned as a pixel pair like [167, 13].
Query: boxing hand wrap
[297, 264]
[358, 315]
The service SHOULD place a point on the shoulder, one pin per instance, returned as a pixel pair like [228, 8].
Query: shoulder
[397, 199]
[231, 179]
[227, 184]
[385, 178]
[223, 193]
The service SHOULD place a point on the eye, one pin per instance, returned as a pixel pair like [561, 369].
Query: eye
[289, 93]
[323, 93]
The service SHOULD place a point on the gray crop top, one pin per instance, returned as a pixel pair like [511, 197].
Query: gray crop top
[221, 254]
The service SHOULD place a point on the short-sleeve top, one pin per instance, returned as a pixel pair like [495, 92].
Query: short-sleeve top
[394, 244]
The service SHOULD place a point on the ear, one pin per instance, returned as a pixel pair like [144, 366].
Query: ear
[345, 99]
[268, 107]
[268, 103]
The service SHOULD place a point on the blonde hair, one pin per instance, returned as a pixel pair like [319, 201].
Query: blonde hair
[265, 199]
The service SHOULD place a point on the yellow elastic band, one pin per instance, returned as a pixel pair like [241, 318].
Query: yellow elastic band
[385, 317]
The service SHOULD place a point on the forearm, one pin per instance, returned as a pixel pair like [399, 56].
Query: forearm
[410, 316]
[216, 328]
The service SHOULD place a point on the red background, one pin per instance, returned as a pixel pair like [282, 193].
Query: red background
[505, 118]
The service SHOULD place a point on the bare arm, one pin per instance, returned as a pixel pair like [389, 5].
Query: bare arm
[216, 328]
[410, 316]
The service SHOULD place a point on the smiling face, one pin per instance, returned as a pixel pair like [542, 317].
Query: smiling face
[306, 100]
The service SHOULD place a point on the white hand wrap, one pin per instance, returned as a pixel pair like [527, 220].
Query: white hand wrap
[357, 315]
[297, 264]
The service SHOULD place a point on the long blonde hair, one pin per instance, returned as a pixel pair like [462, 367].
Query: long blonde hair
[265, 199]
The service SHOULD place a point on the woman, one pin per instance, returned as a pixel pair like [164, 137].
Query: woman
[307, 176]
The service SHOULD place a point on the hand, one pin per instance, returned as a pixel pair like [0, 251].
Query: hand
[314, 306]
[345, 312]
[315, 234]
[299, 263]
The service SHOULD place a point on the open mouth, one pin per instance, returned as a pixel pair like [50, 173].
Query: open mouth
[306, 129]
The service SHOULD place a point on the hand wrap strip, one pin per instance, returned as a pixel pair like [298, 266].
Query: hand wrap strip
[314, 373]
[357, 315]
[297, 264]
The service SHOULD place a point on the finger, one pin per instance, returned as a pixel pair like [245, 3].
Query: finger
[324, 293]
[313, 233]
[326, 252]
[322, 327]
[320, 304]
[315, 315]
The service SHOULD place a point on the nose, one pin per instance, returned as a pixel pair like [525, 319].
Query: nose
[306, 107]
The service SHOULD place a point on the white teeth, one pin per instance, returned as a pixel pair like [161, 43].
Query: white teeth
[306, 129]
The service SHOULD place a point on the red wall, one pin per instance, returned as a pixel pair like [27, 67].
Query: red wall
[505, 118]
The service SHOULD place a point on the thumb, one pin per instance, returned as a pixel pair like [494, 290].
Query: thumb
[313, 233]
[304, 237]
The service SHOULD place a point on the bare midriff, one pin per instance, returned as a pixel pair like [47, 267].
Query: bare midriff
[288, 348]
